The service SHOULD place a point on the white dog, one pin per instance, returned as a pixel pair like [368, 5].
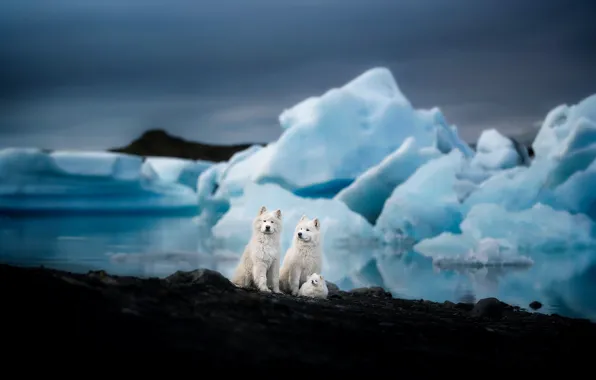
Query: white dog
[259, 264]
[314, 287]
[303, 258]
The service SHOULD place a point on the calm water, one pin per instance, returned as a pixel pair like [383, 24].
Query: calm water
[157, 246]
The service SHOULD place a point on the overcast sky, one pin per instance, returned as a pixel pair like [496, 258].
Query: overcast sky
[94, 74]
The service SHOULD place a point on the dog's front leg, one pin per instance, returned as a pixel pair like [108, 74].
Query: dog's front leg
[260, 276]
[273, 276]
[295, 274]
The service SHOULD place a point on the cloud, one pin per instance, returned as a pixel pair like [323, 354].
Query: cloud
[222, 70]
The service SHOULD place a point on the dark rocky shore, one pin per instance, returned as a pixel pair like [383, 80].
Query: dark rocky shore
[202, 318]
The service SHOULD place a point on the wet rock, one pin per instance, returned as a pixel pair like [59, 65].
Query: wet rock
[489, 308]
[535, 305]
[200, 277]
[464, 306]
[374, 291]
[333, 289]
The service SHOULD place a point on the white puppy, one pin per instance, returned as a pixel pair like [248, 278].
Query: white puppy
[259, 264]
[314, 287]
[303, 258]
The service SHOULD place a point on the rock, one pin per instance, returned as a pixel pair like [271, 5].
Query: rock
[374, 291]
[200, 277]
[535, 305]
[332, 287]
[464, 306]
[489, 308]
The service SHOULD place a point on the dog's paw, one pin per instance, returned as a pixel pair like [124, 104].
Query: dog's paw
[266, 290]
[277, 291]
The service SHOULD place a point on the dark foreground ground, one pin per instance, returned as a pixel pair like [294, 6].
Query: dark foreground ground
[199, 317]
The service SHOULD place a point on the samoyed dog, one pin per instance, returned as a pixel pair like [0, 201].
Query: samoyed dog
[259, 264]
[314, 287]
[304, 257]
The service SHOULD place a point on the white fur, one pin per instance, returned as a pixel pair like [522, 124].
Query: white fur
[314, 287]
[303, 258]
[259, 265]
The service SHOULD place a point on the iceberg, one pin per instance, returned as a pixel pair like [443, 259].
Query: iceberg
[32, 180]
[339, 225]
[177, 170]
[426, 204]
[238, 171]
[368, 193]
[220, 182]
[212, 205]
[495, 152]
[328, 141]
[492, 234]
[559, 176]
[514, 189]
[442, 192]
[559, 127]
[567, 140]
[577, 193]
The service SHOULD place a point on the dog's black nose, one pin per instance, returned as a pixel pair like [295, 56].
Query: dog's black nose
[300, 234]
[267, 227]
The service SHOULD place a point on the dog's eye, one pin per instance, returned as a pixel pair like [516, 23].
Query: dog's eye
[307, 229]
[272, 222]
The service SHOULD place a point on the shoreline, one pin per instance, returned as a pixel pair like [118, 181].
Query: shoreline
[201, 315]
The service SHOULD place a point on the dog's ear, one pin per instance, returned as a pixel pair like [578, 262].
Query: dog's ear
[317, 223]
[278, 213]
[262, 210]
[321, 276]
[303, 218]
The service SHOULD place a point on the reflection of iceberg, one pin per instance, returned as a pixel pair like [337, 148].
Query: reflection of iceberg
[488, 252]
[120, 244]
[162, 264]
[34, 181]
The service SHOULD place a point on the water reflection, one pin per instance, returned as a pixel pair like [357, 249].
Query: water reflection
[563, 283]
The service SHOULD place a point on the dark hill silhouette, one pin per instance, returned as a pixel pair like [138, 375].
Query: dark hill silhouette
[157, 142]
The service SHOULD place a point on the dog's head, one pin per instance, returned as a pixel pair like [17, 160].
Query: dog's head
[316, 279]
[308, 231]
[268, 223]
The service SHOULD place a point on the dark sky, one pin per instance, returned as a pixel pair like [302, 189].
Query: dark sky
[94, 74]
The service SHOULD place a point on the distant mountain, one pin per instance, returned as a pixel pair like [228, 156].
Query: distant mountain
[157, 142]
